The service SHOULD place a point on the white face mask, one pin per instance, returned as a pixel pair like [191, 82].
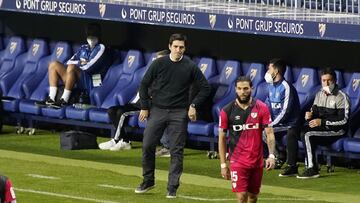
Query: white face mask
[268, 78]
[328, 89]
[92, 41]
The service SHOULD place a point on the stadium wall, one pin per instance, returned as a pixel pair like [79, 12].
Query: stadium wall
[222, 45]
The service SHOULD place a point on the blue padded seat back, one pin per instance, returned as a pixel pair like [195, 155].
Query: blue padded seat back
[256, 72]
[207, 67]
[306, 85]
[15, 47]
[61, 52]
[288, 75]
[231, 70]
[353, 91]
[37, 50]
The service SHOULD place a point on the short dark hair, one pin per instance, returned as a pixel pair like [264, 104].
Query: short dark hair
[279, 64]
[329, 71]
[243, 79]
[93, 29]
[177, 36]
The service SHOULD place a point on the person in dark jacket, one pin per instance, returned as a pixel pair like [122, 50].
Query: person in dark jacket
[283, 101]
[327, 120]
[173, 75]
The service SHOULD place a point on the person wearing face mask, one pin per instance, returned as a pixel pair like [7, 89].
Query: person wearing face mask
[327, 121]
[244, 120]
[284, 105]
[89, 64]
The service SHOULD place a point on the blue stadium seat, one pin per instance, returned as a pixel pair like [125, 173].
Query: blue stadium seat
[203, 128]
[21, 74]
[132, 63]
[347, 77]
[295, 73]
[256, 72]
[36, 89]
[353, 91]
[15, 47]
[288, 75]
[340, 79]
[220, 65]
[307, 86]
[98, 94]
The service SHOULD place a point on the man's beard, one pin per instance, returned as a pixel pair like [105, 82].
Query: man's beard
[244, 101]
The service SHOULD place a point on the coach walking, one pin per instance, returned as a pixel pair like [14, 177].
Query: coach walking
[172, 76]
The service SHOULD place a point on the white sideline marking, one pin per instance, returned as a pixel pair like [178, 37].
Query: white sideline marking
[64, 196]
[43, 177]
[206, 199]
[218, 200]
[115, 187]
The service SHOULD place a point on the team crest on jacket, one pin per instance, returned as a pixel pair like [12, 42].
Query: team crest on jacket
[254, 114]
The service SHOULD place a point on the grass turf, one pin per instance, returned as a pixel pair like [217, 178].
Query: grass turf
[80, 180]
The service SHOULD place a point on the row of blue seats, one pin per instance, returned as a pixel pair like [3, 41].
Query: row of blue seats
[23, 80]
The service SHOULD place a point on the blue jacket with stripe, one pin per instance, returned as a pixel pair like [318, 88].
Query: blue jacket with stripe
[91, 61]
[284, 105]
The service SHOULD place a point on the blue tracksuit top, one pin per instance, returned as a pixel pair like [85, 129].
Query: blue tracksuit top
[284, 105]
[97, 62]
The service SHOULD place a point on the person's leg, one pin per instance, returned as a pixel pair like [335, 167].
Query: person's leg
[73, 73]
[165, 139]
[252, 198]
[155, 126]
[292, 137]
[55, 70]
[177, 130]
[242, 197]
[255, 177]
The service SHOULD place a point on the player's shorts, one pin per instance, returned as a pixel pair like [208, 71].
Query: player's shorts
[246, 179]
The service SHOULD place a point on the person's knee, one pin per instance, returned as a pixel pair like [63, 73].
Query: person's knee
[71, 69]
[252, 197]
[53, 65]
[241, 196]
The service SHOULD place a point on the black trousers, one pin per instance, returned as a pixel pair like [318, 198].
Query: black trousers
[175, 120]
[115, 113]
[312, 137]
[292, 149]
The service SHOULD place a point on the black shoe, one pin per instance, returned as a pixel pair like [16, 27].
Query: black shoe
[278, 164]
[309, 173]
[144, 187]
[171, 194]
[289, 171]
[47, 102]
[59, 104]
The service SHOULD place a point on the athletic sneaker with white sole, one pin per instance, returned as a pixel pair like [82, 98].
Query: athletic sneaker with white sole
[107, 145]
[121, 145]
[144, 187]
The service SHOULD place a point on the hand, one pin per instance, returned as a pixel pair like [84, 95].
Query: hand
[270, 164]
[192, 113]
[225, 173]
[308, 115]
[315, 123]
[144, 114]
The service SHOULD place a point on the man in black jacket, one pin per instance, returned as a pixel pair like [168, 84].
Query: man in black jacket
[326, 122]
[173, 76]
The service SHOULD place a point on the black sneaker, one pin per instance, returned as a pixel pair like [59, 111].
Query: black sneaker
[59, 104]
[289, 171]
[171, 195]
[309, 173]
[144, 187]
[47, 102]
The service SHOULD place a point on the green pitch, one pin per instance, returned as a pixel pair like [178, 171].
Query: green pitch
[41, 172]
